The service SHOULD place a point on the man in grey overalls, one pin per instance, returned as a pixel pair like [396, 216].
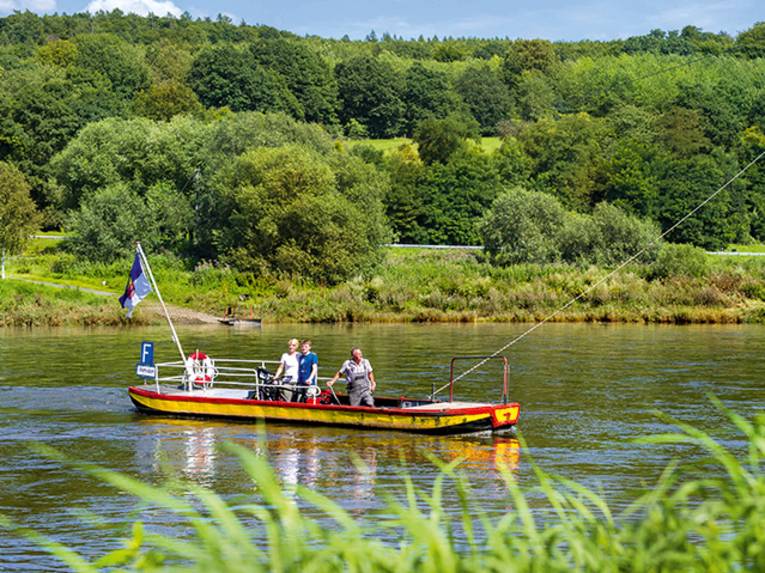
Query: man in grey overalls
[360, 377]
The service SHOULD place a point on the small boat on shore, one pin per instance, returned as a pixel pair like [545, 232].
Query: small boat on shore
[244, 390]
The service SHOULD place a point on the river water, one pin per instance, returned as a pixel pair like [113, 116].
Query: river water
[585, 390]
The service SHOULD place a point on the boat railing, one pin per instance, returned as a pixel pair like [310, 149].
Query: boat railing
[505, 368]
[225, 372]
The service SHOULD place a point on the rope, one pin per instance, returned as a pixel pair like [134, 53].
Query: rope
[605, 278]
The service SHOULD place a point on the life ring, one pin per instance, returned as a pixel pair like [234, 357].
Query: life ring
[200, 368]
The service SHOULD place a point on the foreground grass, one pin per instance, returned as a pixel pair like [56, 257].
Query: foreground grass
[705, 516]
[411, 285]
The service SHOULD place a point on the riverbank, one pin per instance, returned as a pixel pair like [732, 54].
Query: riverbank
[410, 286]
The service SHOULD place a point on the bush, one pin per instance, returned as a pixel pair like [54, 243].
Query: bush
[622, 236]
[298, 213]
[675, 260]
[523, 227]
[109, 222]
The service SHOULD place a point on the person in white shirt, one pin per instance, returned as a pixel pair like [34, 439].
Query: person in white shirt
[287, 372]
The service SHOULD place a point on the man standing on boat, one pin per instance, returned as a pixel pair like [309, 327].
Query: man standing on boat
[360, 377]
[308, 370]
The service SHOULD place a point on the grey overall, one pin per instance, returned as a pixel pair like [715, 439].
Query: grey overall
[357, 376]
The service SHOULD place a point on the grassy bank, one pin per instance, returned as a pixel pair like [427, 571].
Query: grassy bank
[705, 513]
[411, 285]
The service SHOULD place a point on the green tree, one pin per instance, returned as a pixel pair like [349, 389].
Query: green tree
[438, 139]
[307, 75]
[404, 204]
[164, 100]
[109, 222]
[485, 95]
[427, 95]
[225, 76]
[526, 55]
[567, 157]
[688, 182]
[370, 93]
[751, 42]
[18, 216]
[457, 194]
[122, 64]
[293, 214]
[523, 227]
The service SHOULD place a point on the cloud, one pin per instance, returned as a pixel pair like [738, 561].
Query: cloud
[31, 5]
[140, 7]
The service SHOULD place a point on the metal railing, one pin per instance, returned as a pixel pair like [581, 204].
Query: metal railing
[505, 367]
[221, 372]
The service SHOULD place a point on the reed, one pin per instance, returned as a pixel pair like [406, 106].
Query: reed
[426, 286]
[706, 512]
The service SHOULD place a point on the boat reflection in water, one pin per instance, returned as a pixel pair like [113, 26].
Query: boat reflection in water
[348, 466]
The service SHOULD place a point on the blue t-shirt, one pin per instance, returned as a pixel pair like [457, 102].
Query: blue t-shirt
[306, 362]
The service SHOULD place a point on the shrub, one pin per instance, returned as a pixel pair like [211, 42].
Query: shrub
[523, 227]
[109, 222]
[679, 260]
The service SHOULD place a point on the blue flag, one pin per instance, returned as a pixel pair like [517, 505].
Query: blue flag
[137, 287]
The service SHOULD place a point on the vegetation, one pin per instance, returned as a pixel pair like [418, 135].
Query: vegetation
[192, 137]
[425, 286]
[18, 218]
[704, 513]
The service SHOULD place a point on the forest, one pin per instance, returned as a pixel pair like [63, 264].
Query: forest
[254, 148]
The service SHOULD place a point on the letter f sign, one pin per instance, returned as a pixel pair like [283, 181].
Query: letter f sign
[147, 353]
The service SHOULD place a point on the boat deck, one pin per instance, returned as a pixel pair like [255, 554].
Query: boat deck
[242, 394]
[439, 406]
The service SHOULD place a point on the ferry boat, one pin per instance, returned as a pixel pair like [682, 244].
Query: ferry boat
[197, 386]
[245, 390]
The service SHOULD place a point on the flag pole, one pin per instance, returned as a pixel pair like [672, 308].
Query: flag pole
[145, 262]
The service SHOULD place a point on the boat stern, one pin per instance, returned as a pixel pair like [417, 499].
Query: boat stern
[505, 415]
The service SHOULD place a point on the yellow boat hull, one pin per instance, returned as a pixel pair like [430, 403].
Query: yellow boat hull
[437, 418]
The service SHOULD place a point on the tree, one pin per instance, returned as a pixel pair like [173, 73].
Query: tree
[166, 99]
[122, 64]
[18, 216]
[438, 139]
[370, 93]
[751, 42]
[457, 194]
[428, 95]
[485, 95]
[307, 75]
[523, 227]
[296, 213]
[109, 222]
[526, 55]
[567, 157]
[225, 76]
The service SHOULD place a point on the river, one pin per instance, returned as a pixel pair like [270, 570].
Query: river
[585, 390]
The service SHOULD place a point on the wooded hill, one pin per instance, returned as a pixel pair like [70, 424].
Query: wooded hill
[199, 127]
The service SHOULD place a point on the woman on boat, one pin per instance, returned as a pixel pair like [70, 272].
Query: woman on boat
[360, 377]
[288, 364]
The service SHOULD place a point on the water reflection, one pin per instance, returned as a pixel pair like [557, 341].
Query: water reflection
[320, 458]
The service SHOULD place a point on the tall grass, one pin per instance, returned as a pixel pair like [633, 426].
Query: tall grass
[426, 285]
[706, 515]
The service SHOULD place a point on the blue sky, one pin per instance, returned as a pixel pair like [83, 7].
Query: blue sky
[550, 19]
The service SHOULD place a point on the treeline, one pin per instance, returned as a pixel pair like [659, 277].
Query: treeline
[166, 115]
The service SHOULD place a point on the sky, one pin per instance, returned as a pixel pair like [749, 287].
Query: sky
[548, 19]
